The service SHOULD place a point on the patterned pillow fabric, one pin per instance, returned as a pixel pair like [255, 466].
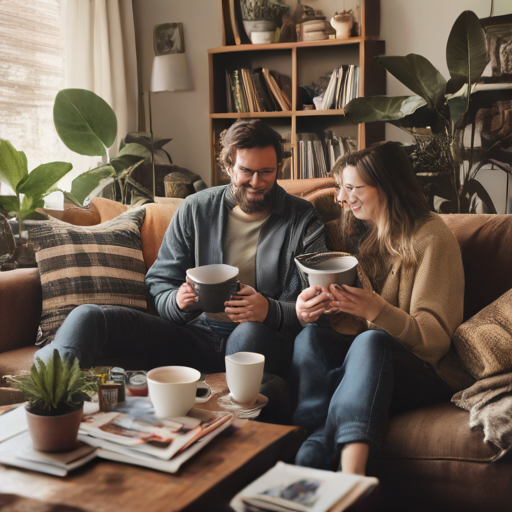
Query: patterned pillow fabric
[484, 342]
[100, 264]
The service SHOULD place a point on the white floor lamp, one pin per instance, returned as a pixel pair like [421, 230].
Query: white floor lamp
[169, 73]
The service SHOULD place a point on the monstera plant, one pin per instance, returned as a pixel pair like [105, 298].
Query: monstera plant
[436, 116]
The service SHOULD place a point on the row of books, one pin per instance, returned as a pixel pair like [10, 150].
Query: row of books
[316, 156]
[131, 434]
[342, 88]
[257, 90]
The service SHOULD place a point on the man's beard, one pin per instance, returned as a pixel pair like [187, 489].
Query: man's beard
[248, 205]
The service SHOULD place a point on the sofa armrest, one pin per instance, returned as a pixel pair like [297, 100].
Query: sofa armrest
[20, 308]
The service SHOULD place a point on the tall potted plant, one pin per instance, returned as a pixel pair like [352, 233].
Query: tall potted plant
[56, 392]
[87, 125]
[30, 189]
[435, 116]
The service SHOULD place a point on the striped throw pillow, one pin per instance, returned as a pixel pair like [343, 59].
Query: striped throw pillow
[100, 264]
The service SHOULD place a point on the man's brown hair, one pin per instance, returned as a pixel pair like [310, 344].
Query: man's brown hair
[248, 134]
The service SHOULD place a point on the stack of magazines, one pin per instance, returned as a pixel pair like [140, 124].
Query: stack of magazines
[131, 433]
[258, 90]
[288, 488]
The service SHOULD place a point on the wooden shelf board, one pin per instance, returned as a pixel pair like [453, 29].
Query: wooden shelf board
[256, 115]
[287, 113]
[330, 112]
[288, 46]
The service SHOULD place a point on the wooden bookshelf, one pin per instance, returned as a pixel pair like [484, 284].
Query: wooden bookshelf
[302, 63]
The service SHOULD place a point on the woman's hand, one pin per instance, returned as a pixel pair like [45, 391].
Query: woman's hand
[312, 303]
[356, 301]
[186, 296]
[247, 306]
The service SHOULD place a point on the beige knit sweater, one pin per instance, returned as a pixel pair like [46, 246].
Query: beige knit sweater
[424, 303]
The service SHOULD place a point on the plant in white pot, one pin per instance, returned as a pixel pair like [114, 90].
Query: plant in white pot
[56, 392]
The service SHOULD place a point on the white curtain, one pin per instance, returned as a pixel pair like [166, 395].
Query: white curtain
[101, 56]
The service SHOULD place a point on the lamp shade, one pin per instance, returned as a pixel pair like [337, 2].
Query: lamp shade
[170, 73]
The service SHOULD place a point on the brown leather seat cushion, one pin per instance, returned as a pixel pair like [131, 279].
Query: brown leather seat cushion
[486, 245]
[16, 362]
[430, 460]
[438, 432]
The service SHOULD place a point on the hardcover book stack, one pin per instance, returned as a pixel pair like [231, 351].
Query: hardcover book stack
[257, 90]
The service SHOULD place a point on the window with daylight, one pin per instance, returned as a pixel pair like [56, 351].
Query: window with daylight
[32, 66]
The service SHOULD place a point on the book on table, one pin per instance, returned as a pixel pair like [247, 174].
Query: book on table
[289, 488]
[131, 434]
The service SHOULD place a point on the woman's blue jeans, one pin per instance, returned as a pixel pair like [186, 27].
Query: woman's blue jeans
[345, 386]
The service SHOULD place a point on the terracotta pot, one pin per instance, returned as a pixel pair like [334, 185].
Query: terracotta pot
[54, 433]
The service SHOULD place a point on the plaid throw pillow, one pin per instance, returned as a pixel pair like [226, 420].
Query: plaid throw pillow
[100, 264]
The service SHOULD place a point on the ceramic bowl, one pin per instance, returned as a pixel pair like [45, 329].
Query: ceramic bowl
[214, 285]
[262, 37]
[327, 268]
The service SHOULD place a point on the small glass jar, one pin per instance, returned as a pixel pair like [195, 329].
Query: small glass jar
[118, 375]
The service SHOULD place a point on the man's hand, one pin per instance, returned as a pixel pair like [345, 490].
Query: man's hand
[312, 303]
[247, 306]
[356, 301]
[186, 297]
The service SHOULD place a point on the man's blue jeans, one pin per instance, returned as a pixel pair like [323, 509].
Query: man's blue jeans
[101, 335]
[345, 386]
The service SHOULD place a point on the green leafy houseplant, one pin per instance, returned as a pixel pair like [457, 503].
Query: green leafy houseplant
[258, 10]
[87, 125]
[436, 116]
[30, 189]
[55, 388]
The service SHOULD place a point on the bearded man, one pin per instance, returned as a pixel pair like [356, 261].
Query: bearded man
[252, 224]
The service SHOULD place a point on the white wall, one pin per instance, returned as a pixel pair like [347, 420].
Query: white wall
[182, 116]
[407, 26]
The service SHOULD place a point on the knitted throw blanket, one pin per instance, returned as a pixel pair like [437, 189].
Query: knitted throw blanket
[484, 347]
[489, 402]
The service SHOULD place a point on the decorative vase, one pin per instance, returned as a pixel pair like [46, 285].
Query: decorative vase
[54, 433]
[7, 243]
[259, 26]
[342, 23]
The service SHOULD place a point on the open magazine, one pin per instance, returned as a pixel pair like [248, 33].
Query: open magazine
[289, 488]
[132, 434]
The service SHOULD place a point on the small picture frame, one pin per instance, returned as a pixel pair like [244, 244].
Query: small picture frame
[168, 38]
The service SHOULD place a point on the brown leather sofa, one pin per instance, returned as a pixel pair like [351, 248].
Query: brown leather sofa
[429, 460]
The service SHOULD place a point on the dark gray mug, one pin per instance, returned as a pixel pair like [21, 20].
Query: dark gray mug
[214, 285]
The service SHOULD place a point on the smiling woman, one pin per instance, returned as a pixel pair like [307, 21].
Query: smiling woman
[347, 381]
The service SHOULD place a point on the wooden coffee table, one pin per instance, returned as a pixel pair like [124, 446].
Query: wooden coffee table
[205, 483]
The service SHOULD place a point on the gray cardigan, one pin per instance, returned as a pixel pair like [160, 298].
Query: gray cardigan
[194, 238]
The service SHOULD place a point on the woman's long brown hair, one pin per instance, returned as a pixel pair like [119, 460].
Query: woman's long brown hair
[403, 207]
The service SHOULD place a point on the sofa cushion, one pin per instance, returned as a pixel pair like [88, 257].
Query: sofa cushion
[158, 217]
[429, 459]
[484, 342]
[486, 245]
[100, 264]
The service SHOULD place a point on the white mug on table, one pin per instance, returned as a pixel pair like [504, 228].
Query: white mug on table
[244, 372]
[172, 390]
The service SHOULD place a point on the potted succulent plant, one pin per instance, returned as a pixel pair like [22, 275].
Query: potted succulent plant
[56, 392]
